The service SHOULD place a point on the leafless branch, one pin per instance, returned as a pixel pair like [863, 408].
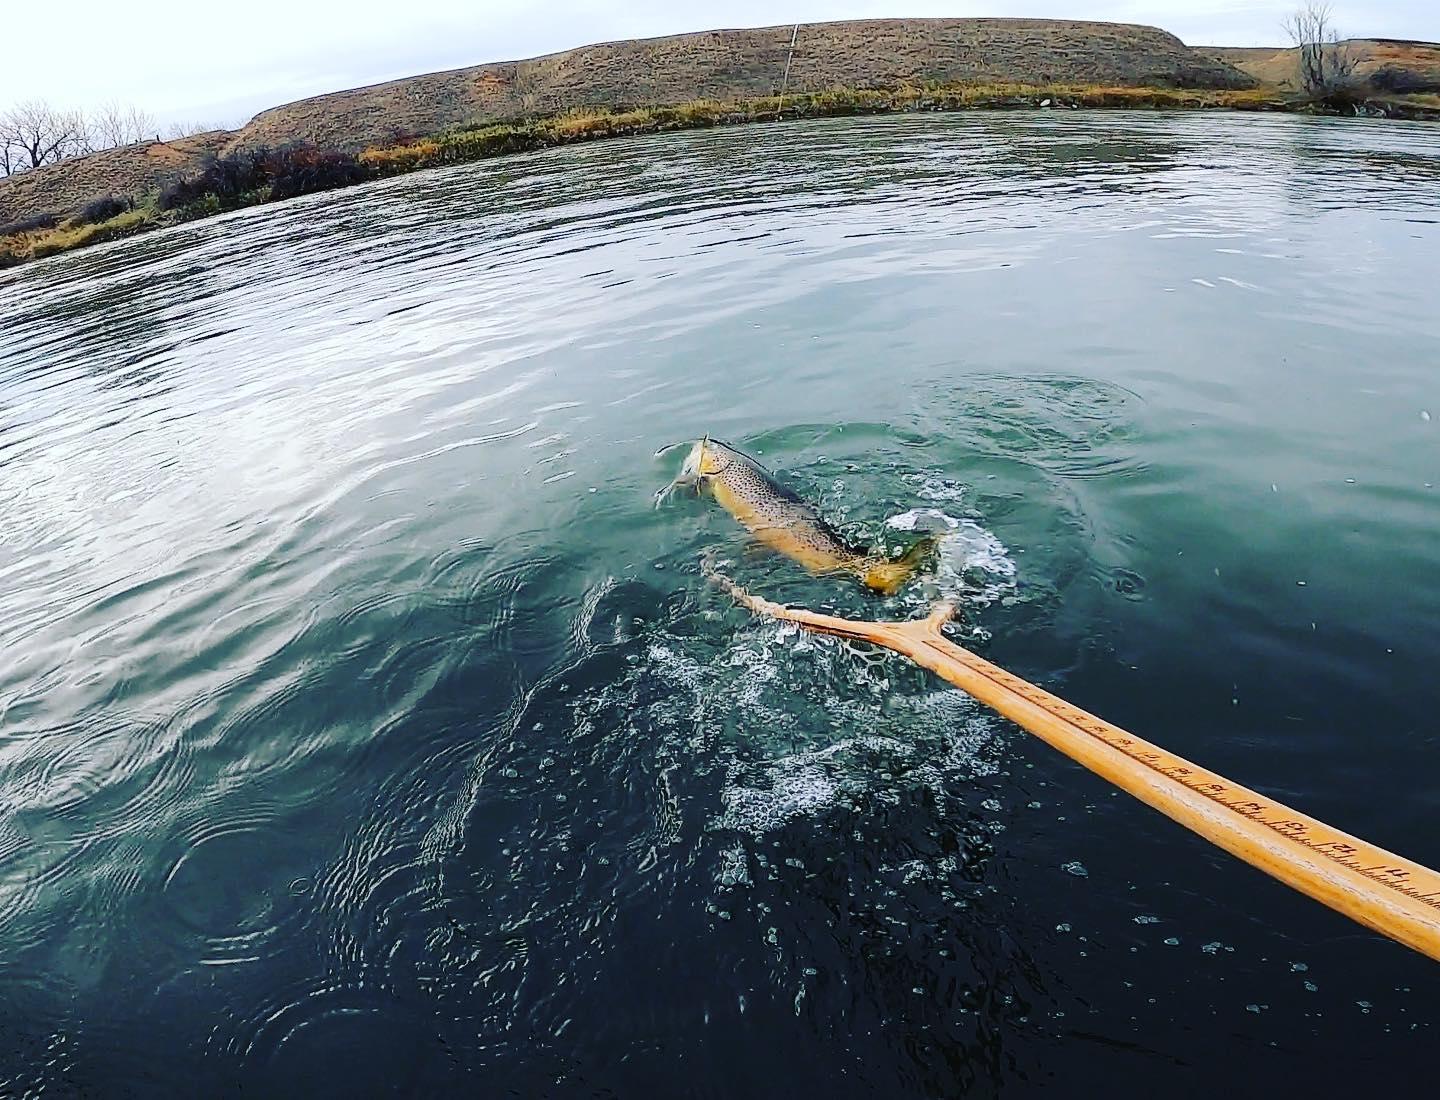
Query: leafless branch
[114, 125]
[34, 134]
[177, 130]
[1327, 63]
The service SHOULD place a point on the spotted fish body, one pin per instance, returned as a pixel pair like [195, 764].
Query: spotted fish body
[783, 521]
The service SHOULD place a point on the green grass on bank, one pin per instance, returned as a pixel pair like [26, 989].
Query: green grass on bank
[73, 233]
[254, 177]
[585, 124]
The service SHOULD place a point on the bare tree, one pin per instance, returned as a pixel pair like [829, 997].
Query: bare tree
[177, 130]
[1327, 63]
[34, 134]
[114, 125]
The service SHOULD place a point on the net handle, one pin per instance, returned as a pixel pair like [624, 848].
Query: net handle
[1382, 891]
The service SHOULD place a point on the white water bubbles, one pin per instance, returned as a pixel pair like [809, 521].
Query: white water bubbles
[973, 567]
[973, 563]
[874, 755]
[789, 787]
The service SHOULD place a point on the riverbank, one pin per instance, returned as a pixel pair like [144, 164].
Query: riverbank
[259, 176]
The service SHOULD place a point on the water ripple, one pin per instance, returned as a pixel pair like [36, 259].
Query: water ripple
[364, 729]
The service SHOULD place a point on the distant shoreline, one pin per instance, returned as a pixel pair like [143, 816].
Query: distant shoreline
[674, 82]
[309, 170]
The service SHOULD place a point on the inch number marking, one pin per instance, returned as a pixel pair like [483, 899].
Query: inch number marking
[1204, 783]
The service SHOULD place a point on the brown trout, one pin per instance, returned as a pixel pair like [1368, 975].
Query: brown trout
[780, 519]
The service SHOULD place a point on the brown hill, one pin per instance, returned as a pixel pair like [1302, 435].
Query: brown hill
[732, 63]
[130, 170]
[1419, 61]
[725, 64]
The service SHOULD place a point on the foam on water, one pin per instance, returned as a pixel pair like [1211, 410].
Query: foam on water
[950, 741]
[928, 520]
[926, 749]
[798, 786]
[974, 567]
[937, 488]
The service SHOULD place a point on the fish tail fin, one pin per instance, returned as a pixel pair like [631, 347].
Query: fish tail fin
[888, 577]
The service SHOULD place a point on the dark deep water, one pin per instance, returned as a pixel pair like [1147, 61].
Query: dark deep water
[364, 730]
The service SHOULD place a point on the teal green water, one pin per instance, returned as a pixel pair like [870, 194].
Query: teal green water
[365, 730]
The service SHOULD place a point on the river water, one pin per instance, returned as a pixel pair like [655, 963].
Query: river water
[365, 730]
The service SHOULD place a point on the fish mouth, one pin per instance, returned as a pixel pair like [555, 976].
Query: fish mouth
[691, 474]
[682, 481]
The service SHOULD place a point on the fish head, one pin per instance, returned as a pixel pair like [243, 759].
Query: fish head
[706, 459]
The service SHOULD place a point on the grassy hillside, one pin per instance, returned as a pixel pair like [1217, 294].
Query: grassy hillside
[1414, 63]
[734, 64]
[63, 188]
[724, 66]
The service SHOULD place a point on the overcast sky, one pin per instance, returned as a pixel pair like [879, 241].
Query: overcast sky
[197, 62]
